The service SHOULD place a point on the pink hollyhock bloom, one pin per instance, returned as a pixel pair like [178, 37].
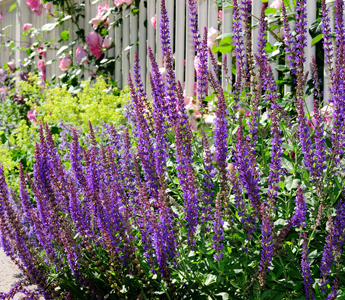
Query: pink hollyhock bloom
[94, 39]
[277, 4]
[96, 50]
[47, 7]
[11, 65]
[119, 3]
[65, 63]
[220, 16]
[100, 18]
[27, 26]
[154, 21]
[80, 53]
[211, 37]
[35, 6]
[1, 16]
[42, 52]
[32, 116]
[106, 43]
[188, 100]
[41, 64]
[196, 64]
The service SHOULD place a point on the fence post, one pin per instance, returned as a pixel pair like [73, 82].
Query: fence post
[125, 44]
[326, 75]
[159, 54]
[227, 28]
[190, 72]
[272, 40]
[181, 15]
[142, 40]
[311, 16]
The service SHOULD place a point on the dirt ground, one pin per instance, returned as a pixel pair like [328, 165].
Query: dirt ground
[9, 274]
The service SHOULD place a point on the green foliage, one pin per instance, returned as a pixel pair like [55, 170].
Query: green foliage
[100, 103]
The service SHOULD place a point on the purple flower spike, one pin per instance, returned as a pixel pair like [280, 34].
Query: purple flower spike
[307, 279]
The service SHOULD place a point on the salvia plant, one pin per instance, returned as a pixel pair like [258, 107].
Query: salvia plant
[252, 208]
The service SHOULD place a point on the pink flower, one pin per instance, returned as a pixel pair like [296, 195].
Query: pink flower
[220, 16]
[1, 16]
[32, 116]
[65, 63]
[277, 4]
[119, 3]
[188, 100]
[106, 43]
[47, 7]
[154, 21]
[211, 37]
[27, 26]
[94, 39]
[42, 52]
[196, 64]
[96, 50]
[11, 65]
[100, 18]
[41, 64]
[80, 53]
[35, 6]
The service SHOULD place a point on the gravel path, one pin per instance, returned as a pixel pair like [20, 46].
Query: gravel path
[9, 274]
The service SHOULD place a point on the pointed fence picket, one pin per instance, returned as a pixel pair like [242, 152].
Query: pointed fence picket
[137, 33]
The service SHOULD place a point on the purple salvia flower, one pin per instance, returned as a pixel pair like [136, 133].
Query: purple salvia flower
[307, 279]
[262, 40]
[275, 164]
[334, 290]
[266, 243]
[301, 44]
[171, 89]
[327, 35]
[202, 70]
[339, 32]
[221, 134]
[215, 67]
[288, 39]
[193, 19]
[218, 230]
[208, 184]
[145, 148]
[299, 218]
[327, 257]
[238, 39]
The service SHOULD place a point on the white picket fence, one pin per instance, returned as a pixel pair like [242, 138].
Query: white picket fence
[133, 29]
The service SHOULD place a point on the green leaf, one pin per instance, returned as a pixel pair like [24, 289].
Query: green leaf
[13, 6]
[282, 68]
[49, 26]
[210, 279]
[65, 35]
[317, 39]
[264, 1]
[62, 49]
[225, 296]
[278, 296]
[270, 10]
[291, 183]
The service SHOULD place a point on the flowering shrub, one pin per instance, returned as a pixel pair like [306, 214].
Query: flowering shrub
[250, 209]
[56, 106]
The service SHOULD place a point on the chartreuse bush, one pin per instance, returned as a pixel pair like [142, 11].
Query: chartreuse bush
[99, 103]
[153, 211]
